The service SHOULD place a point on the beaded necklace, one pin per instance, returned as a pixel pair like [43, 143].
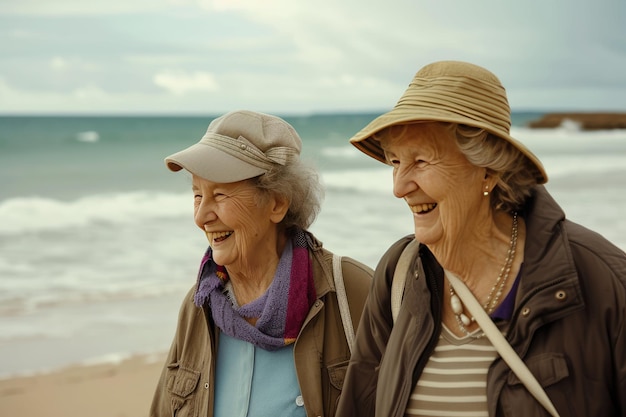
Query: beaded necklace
[496, 290]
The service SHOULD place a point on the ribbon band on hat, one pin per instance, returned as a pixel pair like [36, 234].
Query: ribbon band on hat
[244, 150]
[280, 154]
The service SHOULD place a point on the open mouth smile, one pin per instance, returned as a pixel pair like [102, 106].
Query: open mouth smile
[218, 236]
[423, 208]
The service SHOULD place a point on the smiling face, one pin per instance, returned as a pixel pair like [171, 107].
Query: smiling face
[443, 190]
[240, 223]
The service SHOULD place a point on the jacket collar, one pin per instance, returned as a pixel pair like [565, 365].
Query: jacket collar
[549, 286]
[547, 255]
[322, 266]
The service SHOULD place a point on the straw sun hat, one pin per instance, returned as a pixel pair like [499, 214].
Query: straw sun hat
[449, 91]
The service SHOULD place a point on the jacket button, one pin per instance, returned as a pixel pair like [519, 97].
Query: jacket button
[299, 401]
[525, 311]
[206, 385]
[560, 295]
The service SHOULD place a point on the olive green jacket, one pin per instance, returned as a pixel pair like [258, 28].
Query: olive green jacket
[321, 352]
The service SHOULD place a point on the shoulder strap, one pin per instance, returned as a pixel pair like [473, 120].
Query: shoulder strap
[500, 343]
[342, 299]
[399, 277]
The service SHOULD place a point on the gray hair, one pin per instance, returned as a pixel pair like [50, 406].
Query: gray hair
[515, 173]
[300, 184]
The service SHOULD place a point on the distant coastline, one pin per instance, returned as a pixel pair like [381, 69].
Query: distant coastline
[583, 120]
[340, 121]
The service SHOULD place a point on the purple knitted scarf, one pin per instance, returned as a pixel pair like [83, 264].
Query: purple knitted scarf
[280, 311]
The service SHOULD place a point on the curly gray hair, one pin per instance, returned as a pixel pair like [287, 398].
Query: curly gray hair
[298, 182]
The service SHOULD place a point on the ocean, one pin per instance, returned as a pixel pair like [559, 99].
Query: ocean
[98, 244]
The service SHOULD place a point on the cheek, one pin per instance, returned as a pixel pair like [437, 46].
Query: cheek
[459, 200]
[454, 182]
[437, 183]
[244, 219]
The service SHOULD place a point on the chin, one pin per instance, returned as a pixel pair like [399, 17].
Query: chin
[427, 237]
[222, 258]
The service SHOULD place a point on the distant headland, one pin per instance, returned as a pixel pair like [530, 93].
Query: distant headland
[583, 120]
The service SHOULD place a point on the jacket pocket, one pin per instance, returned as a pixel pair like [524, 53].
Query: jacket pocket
[181, 384]
[337, 373]
[548, 369]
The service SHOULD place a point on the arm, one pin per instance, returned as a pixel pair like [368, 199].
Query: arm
[173, 384]
[359, 391]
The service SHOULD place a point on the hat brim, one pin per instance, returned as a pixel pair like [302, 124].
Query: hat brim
[212, 164]
[364, 141]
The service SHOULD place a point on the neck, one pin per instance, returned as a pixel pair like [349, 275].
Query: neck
[253, 278]
[492, 286]
[477, 254]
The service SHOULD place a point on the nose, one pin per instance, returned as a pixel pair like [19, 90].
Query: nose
[204, 213]
[403, 183]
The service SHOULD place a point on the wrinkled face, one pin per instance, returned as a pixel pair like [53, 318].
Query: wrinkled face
[239, 222]
[443, 190]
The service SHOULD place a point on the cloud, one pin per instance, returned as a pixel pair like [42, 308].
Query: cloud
[201, 55]
[179, 82]
[57, 63]
[79, 7]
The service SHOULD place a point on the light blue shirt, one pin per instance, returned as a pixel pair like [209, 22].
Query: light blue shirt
[253, 382]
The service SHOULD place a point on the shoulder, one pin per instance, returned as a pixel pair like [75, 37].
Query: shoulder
[355, 269]
[387, 264]
[594, 255]
[352, 269]
[356, 276]
[357, 279]
[188, 309]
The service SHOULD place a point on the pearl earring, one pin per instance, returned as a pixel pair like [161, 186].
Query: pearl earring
[486, 192]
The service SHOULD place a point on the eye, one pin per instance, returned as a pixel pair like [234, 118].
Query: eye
[219, 196]
[391, 159]
[420, 163]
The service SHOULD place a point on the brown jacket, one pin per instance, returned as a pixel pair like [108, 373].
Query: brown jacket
[321, 352]
[568, 325]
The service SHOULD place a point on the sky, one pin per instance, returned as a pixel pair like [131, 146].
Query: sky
[300, 57]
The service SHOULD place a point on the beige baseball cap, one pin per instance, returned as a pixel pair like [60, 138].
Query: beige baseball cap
[239, 145]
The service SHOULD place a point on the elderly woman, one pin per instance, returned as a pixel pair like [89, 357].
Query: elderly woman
[262, 331]
[485, 224]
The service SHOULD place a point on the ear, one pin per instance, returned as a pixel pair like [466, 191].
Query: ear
[490, 181]
[278, 208]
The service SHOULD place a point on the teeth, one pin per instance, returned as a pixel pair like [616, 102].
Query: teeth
[421, 208]
[217, 235]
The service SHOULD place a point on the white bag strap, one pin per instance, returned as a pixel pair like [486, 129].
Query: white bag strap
[342, 299]
[399, 277]
[500, 343]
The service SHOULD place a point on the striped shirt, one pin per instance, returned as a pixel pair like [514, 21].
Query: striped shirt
[454, 381]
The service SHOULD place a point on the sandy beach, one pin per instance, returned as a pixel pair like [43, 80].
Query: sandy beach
[121, 389]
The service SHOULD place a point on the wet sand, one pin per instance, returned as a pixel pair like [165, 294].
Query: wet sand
[121, 389]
